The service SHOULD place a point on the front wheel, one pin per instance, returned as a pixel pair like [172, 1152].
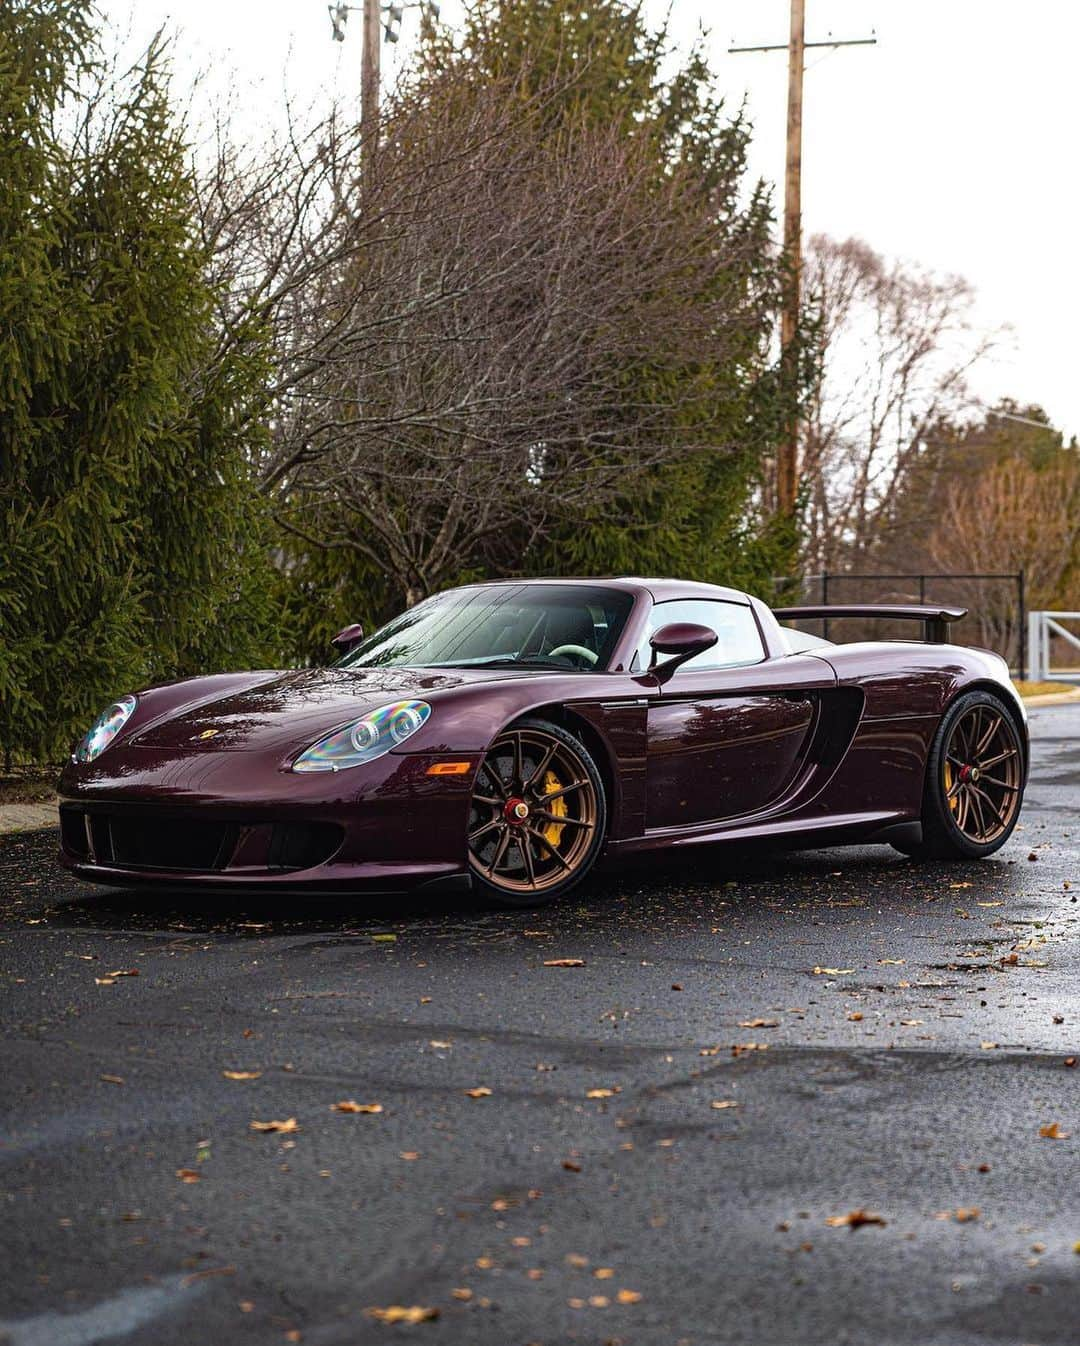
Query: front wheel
[974, 781]
[536, 823]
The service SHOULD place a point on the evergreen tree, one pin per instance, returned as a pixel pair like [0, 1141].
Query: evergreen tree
[131, 545]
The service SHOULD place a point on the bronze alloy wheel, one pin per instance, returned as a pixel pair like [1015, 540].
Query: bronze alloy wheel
[982, 773]
[537, 815]
[974, 781]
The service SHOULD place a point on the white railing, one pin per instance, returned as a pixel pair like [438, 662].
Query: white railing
[1042, 627]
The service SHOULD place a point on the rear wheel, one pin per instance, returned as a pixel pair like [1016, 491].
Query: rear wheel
[974, 781]
[536, 823]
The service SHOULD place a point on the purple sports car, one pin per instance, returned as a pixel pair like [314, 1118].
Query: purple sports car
[509, 736]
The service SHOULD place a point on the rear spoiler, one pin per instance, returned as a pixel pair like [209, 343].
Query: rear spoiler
[935, 619]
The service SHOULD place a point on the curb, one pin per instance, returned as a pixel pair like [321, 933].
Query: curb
[1053, 698]
[27, 817]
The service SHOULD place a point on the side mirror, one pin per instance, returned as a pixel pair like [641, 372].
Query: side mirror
[679, 641]
[348, 638]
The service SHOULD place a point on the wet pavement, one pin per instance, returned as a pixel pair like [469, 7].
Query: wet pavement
[791, 1099]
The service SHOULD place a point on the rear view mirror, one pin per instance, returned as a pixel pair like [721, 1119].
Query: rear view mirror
[348, 638]
[679, 641]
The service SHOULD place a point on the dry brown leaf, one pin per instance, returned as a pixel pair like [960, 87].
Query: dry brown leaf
[112, 1079]
[409, 1155]
[854, 1219]
[855, 1016]
[242, 1074]
[719, 1103]
[564, 962]
[833, 971]
[629, 1297]
[758, 1023]
[125, 972]
[988, 1046]
[105, 981]
[741, 1048]
[912, 1023]
[398, 1313]
[604, 1273]
[189, 1175]
[1069, 1061]
[575, 1260]
[1053, 1131]
[571, 1166]
[480, 1092]
[891, 962]
[289, 1124]
[350, 1105]
[599, 1301]
[462, 1293]
[964, 1214]
[603, 1093]
[710, 1051]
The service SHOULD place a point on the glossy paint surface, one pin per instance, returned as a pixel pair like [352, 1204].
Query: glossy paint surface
[831, 743]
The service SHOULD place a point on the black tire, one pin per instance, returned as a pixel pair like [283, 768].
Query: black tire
[973, 794]
[541, 767]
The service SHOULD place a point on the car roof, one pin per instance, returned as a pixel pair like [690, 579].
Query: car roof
[659, 589]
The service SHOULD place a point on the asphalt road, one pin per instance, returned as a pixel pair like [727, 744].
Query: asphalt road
[908, 1083]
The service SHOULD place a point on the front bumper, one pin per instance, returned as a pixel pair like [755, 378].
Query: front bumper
[227, 820]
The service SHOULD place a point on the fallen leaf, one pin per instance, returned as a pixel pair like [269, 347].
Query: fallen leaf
[289, 1124]
[205, 1275]
[603, 1093]
[758, 1023]
[710, 1051]
[890, 962]
[911, 1023]
[397, 1313]
[462, 1293]
[854, 1219]
[112, 1079]
[855, 1016]
[350, 1105]
[564, 962]
[720, 1103]
[571, 1166]
[575, 1260]
[435, 1042]
[125, 972]
[833, 971]
[1069, 1061]
[603, 1273]
[1053, 1131]
[741, 1048]
[988, 1046]
[960, 885]
[189, 1175]
[105, 981]
[241, 1074]
[409, 1155]
[599, 1301]
[964, 1214]
[629, 1297]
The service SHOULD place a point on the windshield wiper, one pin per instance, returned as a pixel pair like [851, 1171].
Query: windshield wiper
[527, 661]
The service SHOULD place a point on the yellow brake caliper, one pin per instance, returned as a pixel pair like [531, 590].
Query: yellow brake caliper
[553, 832]
[954, 802]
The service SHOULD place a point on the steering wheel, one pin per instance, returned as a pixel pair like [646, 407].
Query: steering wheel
[580, 650]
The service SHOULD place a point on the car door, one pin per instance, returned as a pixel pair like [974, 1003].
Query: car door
[728, 734]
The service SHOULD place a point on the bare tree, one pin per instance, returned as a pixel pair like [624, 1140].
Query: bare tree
[897, 344]
[501, 328]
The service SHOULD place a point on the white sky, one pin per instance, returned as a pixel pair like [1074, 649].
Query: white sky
[951, 143]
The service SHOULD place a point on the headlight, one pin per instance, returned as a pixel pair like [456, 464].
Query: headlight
[104, 729]
[364, 740]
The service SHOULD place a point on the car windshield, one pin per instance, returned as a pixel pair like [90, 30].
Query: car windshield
[555, 626]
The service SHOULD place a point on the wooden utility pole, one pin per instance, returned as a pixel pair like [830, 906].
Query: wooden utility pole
[369, 85]
[787, 457]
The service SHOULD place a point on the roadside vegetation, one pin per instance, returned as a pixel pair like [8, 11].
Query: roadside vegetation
[530, 325]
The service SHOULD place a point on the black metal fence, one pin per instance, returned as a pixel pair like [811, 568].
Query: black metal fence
[996, 603]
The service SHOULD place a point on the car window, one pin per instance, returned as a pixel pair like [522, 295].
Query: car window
[557, 626]
[739, 639]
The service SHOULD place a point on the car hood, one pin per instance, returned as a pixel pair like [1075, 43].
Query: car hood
[290, 710]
